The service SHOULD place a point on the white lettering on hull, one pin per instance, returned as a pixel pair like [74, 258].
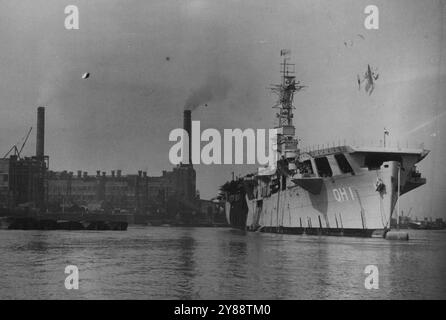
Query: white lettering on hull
[341, 195]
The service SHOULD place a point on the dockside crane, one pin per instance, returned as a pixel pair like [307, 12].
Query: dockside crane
[16, 150]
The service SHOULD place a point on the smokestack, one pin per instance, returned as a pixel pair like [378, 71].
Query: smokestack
[187, 126]
[40, 140]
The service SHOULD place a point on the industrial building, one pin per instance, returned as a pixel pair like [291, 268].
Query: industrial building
[133, 192]
[23, 179]
[28, 183]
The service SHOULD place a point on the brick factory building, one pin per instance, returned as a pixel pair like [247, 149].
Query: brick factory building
[26, 182]
[171, 195]
[138, 192]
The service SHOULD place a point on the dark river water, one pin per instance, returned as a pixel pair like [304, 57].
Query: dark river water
[218, 263]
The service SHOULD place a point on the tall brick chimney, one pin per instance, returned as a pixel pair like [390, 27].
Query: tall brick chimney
[40, 139]
[187, 126]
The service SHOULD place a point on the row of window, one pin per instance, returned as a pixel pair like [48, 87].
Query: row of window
[328, 166]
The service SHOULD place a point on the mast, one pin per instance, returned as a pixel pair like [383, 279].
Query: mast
[287, 144]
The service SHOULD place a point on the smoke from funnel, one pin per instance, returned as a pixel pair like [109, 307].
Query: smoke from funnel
[52, 78]
[215, 88]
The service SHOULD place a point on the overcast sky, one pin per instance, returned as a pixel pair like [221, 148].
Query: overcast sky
[147, 57]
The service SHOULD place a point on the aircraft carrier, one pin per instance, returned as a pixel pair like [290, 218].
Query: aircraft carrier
[342, 190]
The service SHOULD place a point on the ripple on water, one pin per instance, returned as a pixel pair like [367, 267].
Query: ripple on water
[215, 263]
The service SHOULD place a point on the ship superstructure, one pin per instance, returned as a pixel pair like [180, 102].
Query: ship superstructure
[342, 190]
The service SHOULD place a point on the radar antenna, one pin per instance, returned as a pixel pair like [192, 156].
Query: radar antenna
[286, 141]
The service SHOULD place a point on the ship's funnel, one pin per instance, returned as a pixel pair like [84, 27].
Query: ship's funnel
[40, 139]
[187, 126]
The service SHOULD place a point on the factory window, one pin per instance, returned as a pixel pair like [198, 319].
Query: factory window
[323, 167]
[343, 163]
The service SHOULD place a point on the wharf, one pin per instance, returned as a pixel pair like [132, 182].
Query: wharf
[64, 221]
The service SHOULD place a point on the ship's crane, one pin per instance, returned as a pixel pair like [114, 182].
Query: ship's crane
[16, 150]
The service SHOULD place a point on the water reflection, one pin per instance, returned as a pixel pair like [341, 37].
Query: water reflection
[207, 263]
[416, 266]
[186, 267]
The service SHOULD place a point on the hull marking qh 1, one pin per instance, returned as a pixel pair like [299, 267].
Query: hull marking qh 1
[341, 194]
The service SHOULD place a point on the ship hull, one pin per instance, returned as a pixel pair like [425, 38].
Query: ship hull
[348, 205]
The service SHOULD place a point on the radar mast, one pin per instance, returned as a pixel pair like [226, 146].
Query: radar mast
[286, 140]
